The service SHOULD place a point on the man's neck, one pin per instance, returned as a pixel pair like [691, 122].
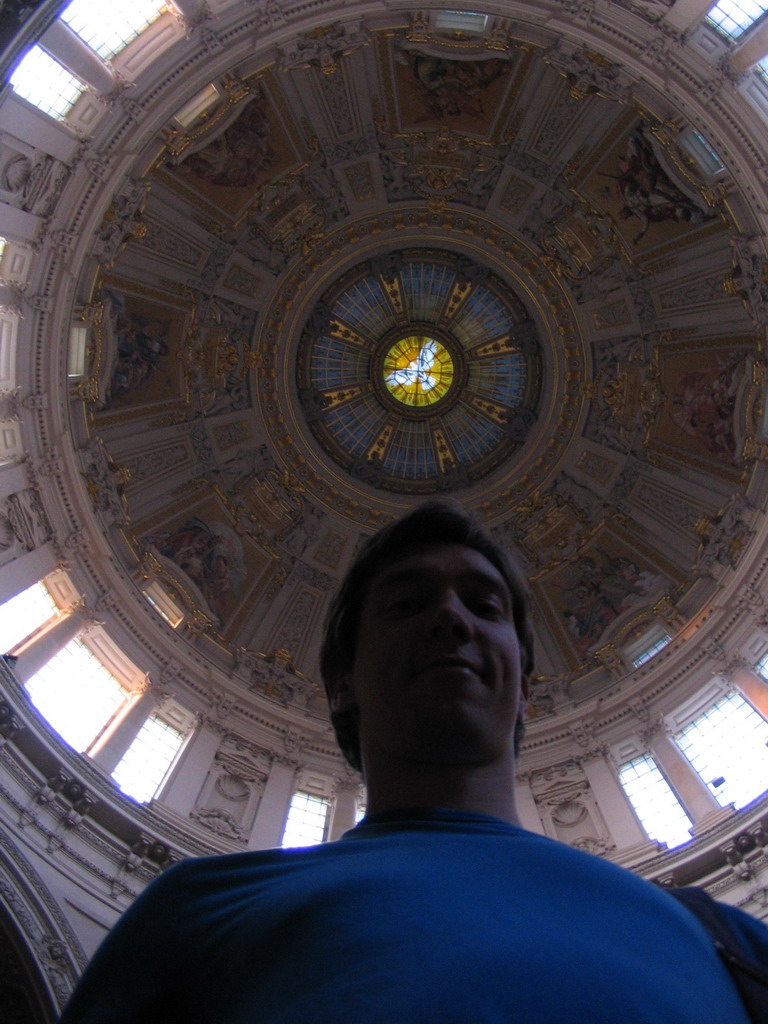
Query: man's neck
[477, 789]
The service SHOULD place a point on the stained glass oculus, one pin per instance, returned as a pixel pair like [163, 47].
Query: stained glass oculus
[419, 371]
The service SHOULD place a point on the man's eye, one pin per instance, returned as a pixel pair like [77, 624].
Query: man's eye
[489, 608]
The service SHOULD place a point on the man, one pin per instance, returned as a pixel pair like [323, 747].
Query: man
[438, 908]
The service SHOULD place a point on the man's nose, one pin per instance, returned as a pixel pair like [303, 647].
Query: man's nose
[451, 616]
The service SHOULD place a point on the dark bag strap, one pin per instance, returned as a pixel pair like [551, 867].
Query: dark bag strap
[750, 978]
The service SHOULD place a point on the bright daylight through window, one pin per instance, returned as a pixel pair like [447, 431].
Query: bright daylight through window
[727, 747]
[42, 81]
[734, 17]
[23, 614]
[660, 812]
[77, 694]
[107, 28]
[306, 822]
[147, 760]
[80, 697]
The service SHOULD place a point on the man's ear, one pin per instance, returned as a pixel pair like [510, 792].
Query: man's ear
[342, 696]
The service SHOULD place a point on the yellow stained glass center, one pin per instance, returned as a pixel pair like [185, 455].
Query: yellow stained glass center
[418, 370]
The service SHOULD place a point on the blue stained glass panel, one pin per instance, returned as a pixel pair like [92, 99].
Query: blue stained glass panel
[355, 425]
[426, 287]
[337, 364]
[484, 314]
[482, 317]
[366, 309]
[500, 380]
[474, 440]
[409, 454]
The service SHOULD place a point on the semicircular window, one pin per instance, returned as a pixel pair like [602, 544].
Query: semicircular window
[419, 371]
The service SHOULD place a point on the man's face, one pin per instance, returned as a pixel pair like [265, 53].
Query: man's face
[437, 675]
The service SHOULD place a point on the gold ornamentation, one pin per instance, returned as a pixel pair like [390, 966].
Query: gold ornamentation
[235, 91]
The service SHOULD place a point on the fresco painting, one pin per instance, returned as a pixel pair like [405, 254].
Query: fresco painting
[608, 582]
[702, 392]
[210, 553]
[463, 95]
[637, 187]
[228, 170]
[146, 337]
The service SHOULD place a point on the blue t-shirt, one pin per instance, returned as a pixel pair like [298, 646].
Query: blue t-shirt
[434, 917]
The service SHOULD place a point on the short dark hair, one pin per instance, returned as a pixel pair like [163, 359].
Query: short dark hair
[441, 521]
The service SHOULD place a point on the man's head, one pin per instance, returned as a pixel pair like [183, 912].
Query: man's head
[435, 524]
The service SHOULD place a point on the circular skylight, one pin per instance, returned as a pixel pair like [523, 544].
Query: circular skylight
[419, 371]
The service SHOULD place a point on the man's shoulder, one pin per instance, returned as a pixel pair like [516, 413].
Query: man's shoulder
[200, 874]
[211, 865]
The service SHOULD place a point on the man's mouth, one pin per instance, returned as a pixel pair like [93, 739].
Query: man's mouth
[450, 661]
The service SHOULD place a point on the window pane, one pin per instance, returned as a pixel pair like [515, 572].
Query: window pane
[107, 28]
[702, 151]
[23, 614]
[654, 648]
[43, 81]
[734, 17]
[460, 21]
[145, 763]
[727, 747]
[305, 825]
[660, 812]
[76, 694]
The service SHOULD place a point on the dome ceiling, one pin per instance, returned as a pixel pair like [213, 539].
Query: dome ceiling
[391, 261]
[420, 372]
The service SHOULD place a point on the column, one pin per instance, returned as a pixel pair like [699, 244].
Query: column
[527, 810]
[617, 813]
[45, 645]
[18, 225]
[684, 14]
[270, 818]
[752, 687]
[687, 784]
[190, 10]
[181, 791]
[751, 50]
[108, 750]
[68, 49]
[12, 475]
[23, 571]
[344, 808]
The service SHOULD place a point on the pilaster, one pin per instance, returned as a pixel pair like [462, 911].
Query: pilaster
[47, 644]
[612, 801]
[270, 818]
